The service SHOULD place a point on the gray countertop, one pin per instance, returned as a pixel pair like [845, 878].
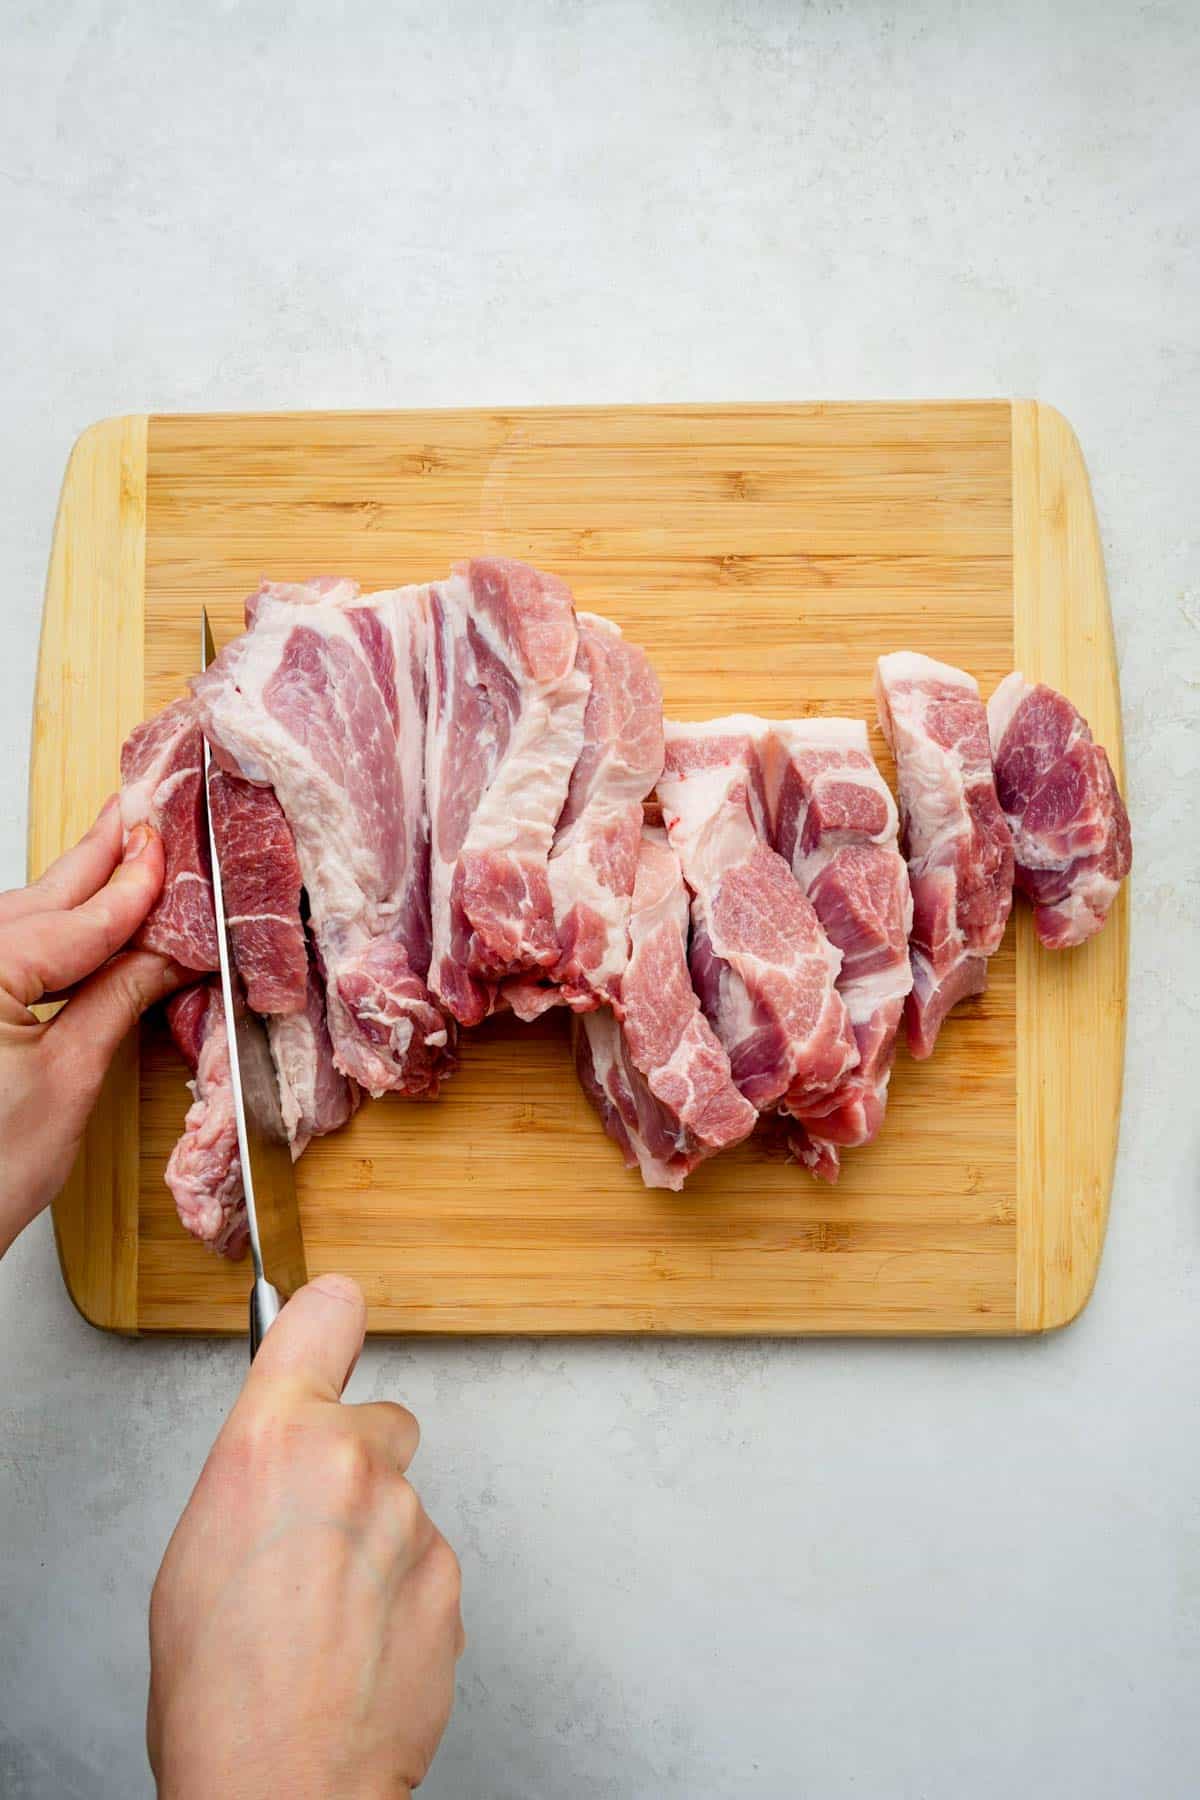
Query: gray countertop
[693, 1570]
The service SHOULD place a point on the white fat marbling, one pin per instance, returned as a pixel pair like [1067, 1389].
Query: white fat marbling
[693, 1570]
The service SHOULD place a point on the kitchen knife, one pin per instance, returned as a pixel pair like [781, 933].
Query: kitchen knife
[272, 1210]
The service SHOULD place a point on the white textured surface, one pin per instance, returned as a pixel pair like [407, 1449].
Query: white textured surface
[692, 1570]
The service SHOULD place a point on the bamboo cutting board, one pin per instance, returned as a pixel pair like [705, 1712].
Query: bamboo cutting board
[765, 556]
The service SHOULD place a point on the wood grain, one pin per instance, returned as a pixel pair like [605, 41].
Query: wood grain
[89, 694]
[1068, 1092]
[765, 556]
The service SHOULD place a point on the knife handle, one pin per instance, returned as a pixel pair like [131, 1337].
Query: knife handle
[265, 1307]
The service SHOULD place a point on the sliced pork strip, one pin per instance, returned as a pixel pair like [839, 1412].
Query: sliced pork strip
[642, 1130]
[322, 700]
[646, 1132]
[315, 1097]
[780, 1136]
[162, 774]
[204, 1172]
[162, 767]
[661, 1078]
[670, 1040]
[762, 966]
[504, 733]
[594, 858]
[953, 834]
[834, 821]
[1069, 826]
[260, 881]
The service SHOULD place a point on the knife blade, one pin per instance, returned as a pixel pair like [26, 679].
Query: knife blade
[268, 1178]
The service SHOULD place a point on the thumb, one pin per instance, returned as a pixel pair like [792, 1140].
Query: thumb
[48, 952]
[315, 1340]
[99, 1013]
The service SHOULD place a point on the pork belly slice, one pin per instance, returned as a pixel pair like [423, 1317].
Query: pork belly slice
[504, 733]
[322, 701]
[762, 966]
[204, 1172]
[834, 821]
[660, 1079]
[260, 880]
[315, 1097]
[162, 766]
[594, 858]
[162, 772]
[953, 833]
[1069, 826]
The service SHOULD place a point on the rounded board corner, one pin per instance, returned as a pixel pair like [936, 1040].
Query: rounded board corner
[1071, 1003]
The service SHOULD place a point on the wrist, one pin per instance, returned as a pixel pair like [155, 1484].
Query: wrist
[189, 1775]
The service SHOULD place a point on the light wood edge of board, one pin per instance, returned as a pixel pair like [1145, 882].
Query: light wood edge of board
[1070, 1004]
[1068, 1104]
[90, 675]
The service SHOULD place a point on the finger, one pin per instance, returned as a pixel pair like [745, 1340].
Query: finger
[168, 979]
[444, 1573]
[45, 952]
[406, 1533]
[76, 874]
[99, 1014]
[439, 1578]
[315, 1340]
[390, 1429]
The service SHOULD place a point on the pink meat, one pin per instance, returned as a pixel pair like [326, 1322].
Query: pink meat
[315, 1097]
[661, 1079]
[187, 1012]
[761, 964]
[834, 821]
[260, 881]
[505, 729]
[953, 833]
[594, 858]
[204, 1172]
[323, 701]
[1069, 826]
[162, 772]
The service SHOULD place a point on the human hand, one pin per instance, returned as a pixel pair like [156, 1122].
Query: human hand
[305, 1623]
[61, 937]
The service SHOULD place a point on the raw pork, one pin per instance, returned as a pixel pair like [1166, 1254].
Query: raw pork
[260, 881]
[204, 1172]
[162, 774]
[315, 1097]
[505, 729]
[833, 819]
[323, 701]
[762, 966]
[1069, 825]
[660, 1080]
[594, 858]
[958, 846]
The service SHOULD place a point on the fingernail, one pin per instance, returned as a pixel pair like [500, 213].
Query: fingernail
[138, 840]
[338, 1287]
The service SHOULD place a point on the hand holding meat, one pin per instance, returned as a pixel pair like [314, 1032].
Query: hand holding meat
[67, 936]
[305, 1624]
